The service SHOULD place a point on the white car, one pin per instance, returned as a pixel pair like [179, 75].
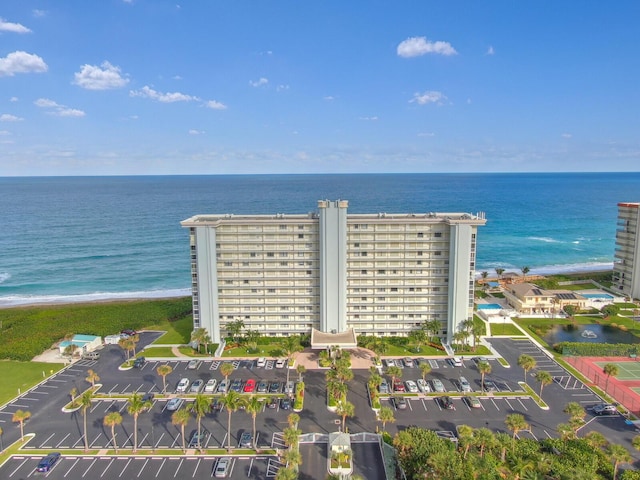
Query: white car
[411, 386]
[261, 362]
[438, 386]
[423, 386]
[183, 385]
[196, 386]
[210, 386]
[280, 363]
[465, 386]
[455, 361]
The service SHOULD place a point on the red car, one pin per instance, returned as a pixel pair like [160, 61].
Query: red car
[250, 386]
[398, 386]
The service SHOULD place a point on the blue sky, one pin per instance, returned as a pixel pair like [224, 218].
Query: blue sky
[128, 87]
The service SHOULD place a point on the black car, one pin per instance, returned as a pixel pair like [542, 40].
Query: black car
[489, 386]
[447, 403]
[48, 462]
[198, 440]
[236, 385]
[285, 404]
[139, 362]
[128, 333]
[273, 403]
[274, 387]
[216, 405]
[246, 440]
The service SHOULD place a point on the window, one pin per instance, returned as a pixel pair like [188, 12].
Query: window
[270, 254]
[284, 254]
[420, 235]
[363, 272]
[271, 290]
[437, 234]
[356, 245]
[382, 272]
[246, 282]
[419, 254]
[283, 264]
[245, 264]
[437, 253]
[252, 254]
[283, 227]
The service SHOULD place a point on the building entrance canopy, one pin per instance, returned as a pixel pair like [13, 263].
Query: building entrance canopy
[323, 340]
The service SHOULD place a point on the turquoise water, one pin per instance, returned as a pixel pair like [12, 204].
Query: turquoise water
[489, 306]
[597, 295]
[82, 238]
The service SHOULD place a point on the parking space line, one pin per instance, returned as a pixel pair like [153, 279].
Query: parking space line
[164, 460]
[89, 467]
[44, 444]
[109, 405]
[195, 470]
[107, 467]
[71, 467]
[97, 404]
[495, 404]
[78, 441]
[114, 387]
[125, 466]
[143, 465]
[19, 406]
[125, 389]
[60, 442]
[523, 406]
[91, 444]
[175, 440]
[124, 404]
[178, 469]
[128, 439]
[18, 467]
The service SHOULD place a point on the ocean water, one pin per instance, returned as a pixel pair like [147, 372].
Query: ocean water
[65, 239]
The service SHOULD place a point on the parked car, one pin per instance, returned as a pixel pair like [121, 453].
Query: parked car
[222, 468]
[280, 362]
[48, 462]
[147, 398]
[236, 385]
[274, 387]
[473, 402]
[210, 386]
[249, 386]
[398, 386]
[400, 403]
[90, 356]
[438, 386]
[263, 386]
[455, 362]
[408, 362]
[411, 386]
[273, 403]
[216, 405]
[465, 386]
[384, 386]
[223, 386]
[196, 386]
[605, 409]
[246, 440]
[290, 387]
[198, 440]
[390, 362]
[478, 360]
[261, 362]
[489, 386]
[447, 403]
[128, 332]
[285, 404]
[193, 364]
[139, 362]
[174, 404]
[183, 385]
[423, 386]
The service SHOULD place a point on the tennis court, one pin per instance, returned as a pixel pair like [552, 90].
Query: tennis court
[626, 370]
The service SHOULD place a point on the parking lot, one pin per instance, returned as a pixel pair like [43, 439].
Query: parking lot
[57, 431]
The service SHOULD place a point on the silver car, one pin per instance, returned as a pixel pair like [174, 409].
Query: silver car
[222, 468]
[438, 386]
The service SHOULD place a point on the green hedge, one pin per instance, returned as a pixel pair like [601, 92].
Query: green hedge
[27, 332]
[583, 349]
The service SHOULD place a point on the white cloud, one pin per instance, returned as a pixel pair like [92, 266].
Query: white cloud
[4, 133]
[7, 117]
[103, 77]
[426, 134]
[12, 27]
[329, 98]
[418, 46]
[566, 135]
[490, 50]
[148, 92]
[371, 119]
[39, 13]
[21, 62]
[195, 132]
[281, 88]
[214, 105]
[58, 110]
[259, 83]
[428, 97]
[13, 99]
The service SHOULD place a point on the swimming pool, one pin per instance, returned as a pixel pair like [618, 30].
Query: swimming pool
[489, 306]
[604, 296]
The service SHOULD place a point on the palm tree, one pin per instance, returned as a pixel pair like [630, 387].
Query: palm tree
[484, 275]
[293, 419]
[292, 457]
[234, 328]
[92, 377]
[597, 440]
[575, 410]
[544, 378]
[337, 390]
[425, 369]
[459, 338]
[385, 415]
[124, 345]
[465, 434]
[21, 416]
[231, 401]
[345, 409]
[527, 362]
[516, 423]
[286, 473]
[566, 431]
[484, 368]
[111, 420]
[301, 369]
[610, 369]
[291, 346]
[483, 438]
[291, 437]
[499, 272]
[163, 371]
[417, 338]
[226, 369]
[394, 372]
[85, 403]
[181, 417]
[73, 393]
[254, 407]
[635, 441]
[200, 337]
[200, 407]
[135, 408]
[524, 271]
[618, 454]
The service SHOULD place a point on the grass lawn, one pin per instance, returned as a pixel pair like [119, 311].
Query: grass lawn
[398, 351]
[22, 375]
[178, 331]
[271, 350]
[155, 352]
[505, 329]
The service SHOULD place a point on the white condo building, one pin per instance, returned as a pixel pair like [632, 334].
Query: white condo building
[331, 272]
[626, 268]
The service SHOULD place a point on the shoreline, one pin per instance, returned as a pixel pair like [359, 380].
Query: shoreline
[95, 298]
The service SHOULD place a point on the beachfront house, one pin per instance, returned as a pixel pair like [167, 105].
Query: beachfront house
[83, 344]
[529, 299]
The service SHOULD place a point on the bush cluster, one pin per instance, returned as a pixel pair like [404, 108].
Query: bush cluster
[584, 349]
